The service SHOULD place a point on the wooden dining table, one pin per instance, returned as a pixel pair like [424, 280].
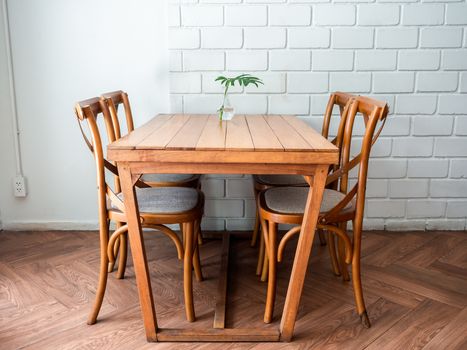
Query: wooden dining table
[202, 144]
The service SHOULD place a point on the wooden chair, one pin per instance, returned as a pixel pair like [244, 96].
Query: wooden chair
[158, 207]
[113, 100]
[339, 205]
[264, 182]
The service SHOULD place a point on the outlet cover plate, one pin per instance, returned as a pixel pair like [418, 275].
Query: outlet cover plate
[19, 186]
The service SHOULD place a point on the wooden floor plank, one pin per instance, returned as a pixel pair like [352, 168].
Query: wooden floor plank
[432, 250]
[17, 291]
[457, 256]
[397, 249]
[416, 295]
[453, 336]
[417, 328]
[428, 283]
[347, 330]
[391, 292]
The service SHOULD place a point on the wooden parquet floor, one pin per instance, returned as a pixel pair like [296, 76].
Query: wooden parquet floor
[415, 285]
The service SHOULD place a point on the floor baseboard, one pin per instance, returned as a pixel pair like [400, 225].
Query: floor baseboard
[50, 225]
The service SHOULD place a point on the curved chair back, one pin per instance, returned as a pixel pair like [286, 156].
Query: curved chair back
[113, 100]
[373, 112]
[91, 110]
[342, 100]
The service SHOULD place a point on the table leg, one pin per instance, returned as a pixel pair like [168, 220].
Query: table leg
[222, 285]
[302, 254]
[138, 252]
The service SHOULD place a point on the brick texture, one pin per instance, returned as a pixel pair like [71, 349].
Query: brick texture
[410, 53]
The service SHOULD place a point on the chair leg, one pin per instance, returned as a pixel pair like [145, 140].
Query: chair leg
[332, 253]
[357, 281]
[257, 226]
[196, 257]
[342, 265]
[341, 251]
[123, 256]
[272, 265]
[200, 233]
[116, 248]
[322, 238]
[261, 253]
[264, 270]
[103, 273]
[265, 236]
[358, 292]
[256, 229]
[197, 264]
[117, 245]
[182, 232]
[187, 271]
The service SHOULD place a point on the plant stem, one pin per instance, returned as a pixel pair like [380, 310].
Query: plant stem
[221, 110]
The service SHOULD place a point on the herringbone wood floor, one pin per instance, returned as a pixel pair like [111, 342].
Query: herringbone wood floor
[415, 288]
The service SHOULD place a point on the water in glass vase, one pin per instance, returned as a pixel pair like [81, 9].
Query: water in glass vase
[229, 111]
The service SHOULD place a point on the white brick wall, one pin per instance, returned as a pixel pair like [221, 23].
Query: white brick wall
[343, 15]
[410, 53]
[374, 60]
[246, 15]
[352, 38]
[423, 14]
[378, 15]
[289, 60]
[396, 37]
[293, 15]
[221, 38]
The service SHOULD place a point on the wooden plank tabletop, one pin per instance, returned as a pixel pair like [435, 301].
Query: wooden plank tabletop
[187, 139]
[243, 133]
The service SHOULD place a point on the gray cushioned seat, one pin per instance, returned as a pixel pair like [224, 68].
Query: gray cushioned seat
[292, 200]
[166, 177]
[282, 180]
[165, 199]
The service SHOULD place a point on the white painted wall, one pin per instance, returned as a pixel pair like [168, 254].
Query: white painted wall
[411, 53]
[65, 51]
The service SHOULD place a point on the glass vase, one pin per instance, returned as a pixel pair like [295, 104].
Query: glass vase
[228, 109]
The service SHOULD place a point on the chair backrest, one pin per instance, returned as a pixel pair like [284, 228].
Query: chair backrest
[113, 100]
[91, 110]
[342, 101]
[373, 112]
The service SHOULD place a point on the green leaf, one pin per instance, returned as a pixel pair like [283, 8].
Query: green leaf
[242, 79]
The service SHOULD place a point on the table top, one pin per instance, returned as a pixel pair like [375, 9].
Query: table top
[245, 138]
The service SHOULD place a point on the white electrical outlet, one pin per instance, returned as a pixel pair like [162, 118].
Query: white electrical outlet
[19, 186]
